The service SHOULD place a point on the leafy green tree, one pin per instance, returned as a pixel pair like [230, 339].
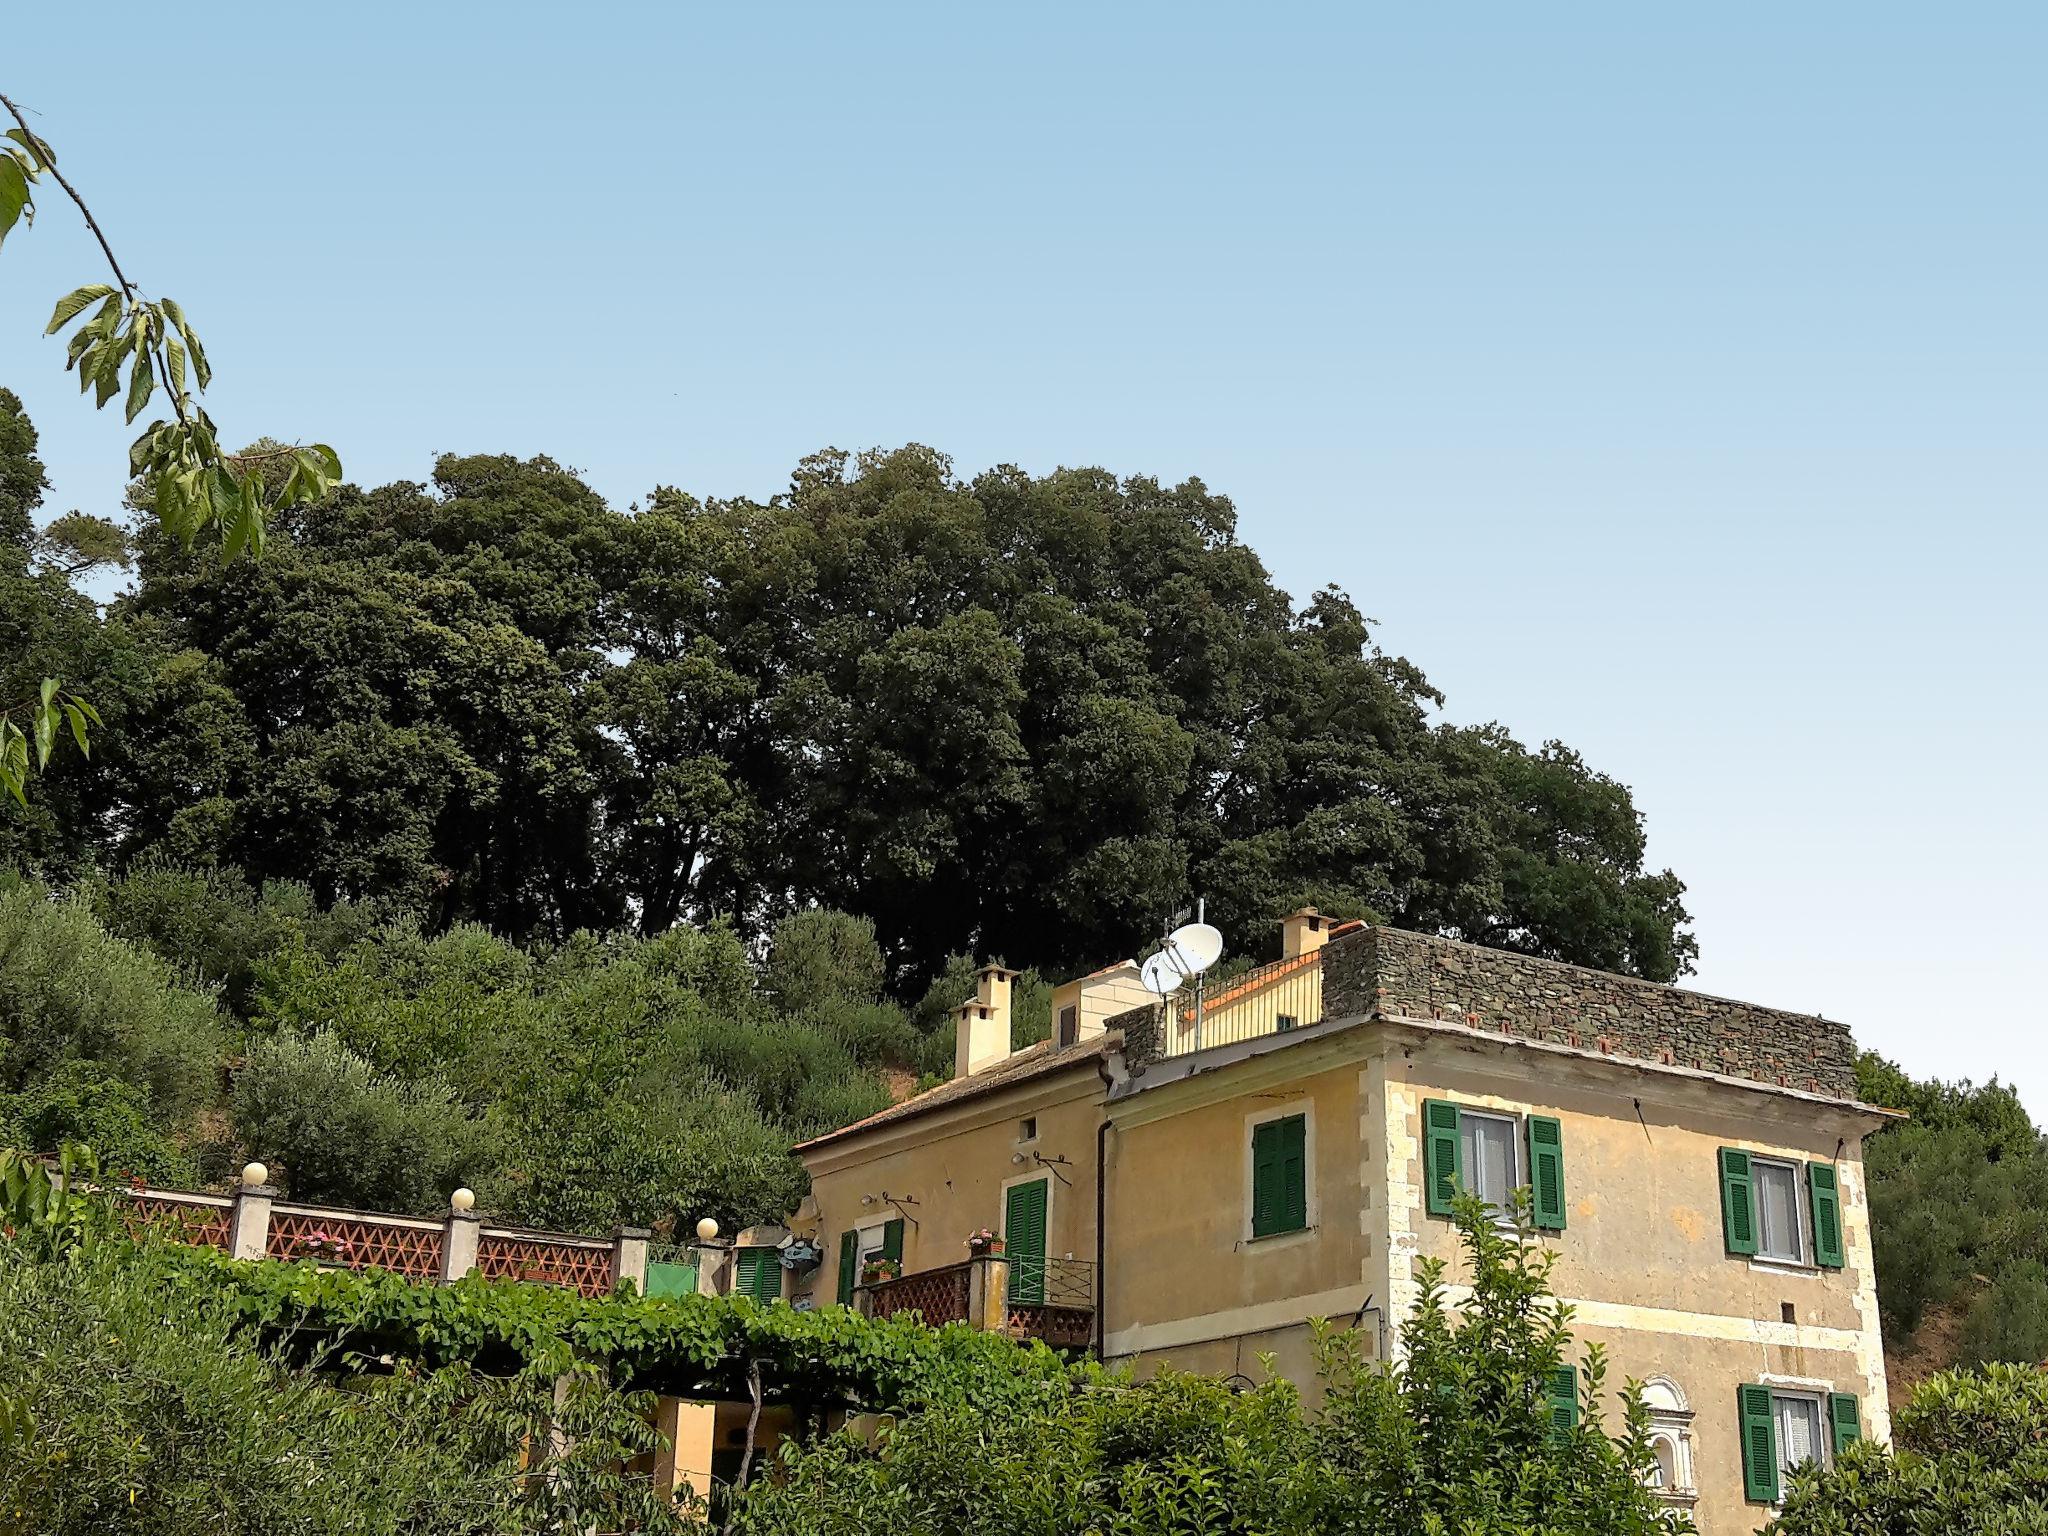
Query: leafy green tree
[1969, 1457]
[1959, 1212]
[69, 991]
[341, 1134]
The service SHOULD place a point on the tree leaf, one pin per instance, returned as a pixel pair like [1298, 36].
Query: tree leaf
[14, 761]
[141, 383]
[76, 718]
[46, 735]
[14, 196]
[73, 304]
[36, 145]
[174, 349]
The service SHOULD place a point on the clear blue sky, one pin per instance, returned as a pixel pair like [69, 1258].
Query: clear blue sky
[1674, 387]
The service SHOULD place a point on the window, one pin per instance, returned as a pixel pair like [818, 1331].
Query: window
[1070, 1025]
[1766, 1203]
[1778, 1229]
[1784, 1429]
[757, 1272]
[1798, 1423]
[1489, 1155]
[1280, 1175]
[1283, 1022]
[1027, 1128]
[1482, 1154]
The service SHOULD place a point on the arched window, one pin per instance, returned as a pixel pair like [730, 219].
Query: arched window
[1670, 1439]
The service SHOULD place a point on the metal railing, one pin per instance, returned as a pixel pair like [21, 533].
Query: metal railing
[1267, 1000]
[1048, 1282]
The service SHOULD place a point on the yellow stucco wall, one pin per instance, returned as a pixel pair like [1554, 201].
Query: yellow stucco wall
[1185, 1271]
[956, 1162]
[1643, 1259]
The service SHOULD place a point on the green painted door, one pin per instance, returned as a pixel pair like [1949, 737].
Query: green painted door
[1024, 1239]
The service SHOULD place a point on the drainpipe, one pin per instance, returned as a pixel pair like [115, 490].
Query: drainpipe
[1101, 1204]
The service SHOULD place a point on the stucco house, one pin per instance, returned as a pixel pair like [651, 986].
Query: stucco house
[1193, 1190]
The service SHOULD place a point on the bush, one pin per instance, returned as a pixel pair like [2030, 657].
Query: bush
[80, 1102]
[122, 1411]
[1969, 1457]
[345, 1135]
[820, 956]
[71, 991]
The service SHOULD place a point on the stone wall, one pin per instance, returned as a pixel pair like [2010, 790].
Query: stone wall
[1140, 1028]
[1392, 973]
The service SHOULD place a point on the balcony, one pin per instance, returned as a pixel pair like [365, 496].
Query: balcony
[1052, 1300]
[1266, 1000]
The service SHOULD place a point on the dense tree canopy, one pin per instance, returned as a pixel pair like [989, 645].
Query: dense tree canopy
[1017, 715]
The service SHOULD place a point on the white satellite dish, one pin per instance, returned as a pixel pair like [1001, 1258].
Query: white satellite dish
[1197, 946]
[1162, 974]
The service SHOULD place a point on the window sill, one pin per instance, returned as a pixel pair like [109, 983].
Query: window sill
[1783, 1267]
[1272, 1240]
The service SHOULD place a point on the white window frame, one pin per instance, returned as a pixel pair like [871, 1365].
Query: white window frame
[867, 1244]
[1801, 1224]
[1518, 1133]
[1311, 1206]
[1824, 1435]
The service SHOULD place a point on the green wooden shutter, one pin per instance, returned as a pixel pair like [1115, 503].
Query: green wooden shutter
[759, 1275]
[892, 1240]
[1759, 1444]
[1738, 1201]
[1826, 1191]
[1546, 1171]
[1848, 1425]
[1279, 1176]
[1294, 1172]
[1561, 1395]
[849, 1266]
[1442, 1175]
[1024, 1240]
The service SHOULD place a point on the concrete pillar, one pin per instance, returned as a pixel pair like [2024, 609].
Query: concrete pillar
[249, 1221]
[691, 1430]
[459, 1235]
[629, 1257]
[988, 1292]
[714, 1269]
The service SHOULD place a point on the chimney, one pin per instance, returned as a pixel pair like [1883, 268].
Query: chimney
[981, 1025]
[1303, 932]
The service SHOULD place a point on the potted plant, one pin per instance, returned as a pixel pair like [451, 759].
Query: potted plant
[876, 1271]
[984, 1243]
[324, 1247]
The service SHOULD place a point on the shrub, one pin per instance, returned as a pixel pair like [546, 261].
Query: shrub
[71, 991]
[1969, 1457]
[81, 1102]
[123, 1411]
[345, 1135]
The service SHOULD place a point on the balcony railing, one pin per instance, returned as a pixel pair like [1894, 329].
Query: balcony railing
[1031, 1298]
[937, 1295]
[1267, 1000]
[1053, 1300]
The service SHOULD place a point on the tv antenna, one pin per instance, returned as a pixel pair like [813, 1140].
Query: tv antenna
[1183, 955]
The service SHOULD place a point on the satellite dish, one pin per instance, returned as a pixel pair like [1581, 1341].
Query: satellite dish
[1196, 946]
[1161, 974]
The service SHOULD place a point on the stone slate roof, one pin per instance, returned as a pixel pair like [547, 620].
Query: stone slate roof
[1033, 1061]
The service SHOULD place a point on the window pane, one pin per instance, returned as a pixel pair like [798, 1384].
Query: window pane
[1777, 1201]
[1798, 1430]
[1489, 1147]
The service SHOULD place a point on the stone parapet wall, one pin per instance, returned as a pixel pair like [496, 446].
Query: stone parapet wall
[1389, 972]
